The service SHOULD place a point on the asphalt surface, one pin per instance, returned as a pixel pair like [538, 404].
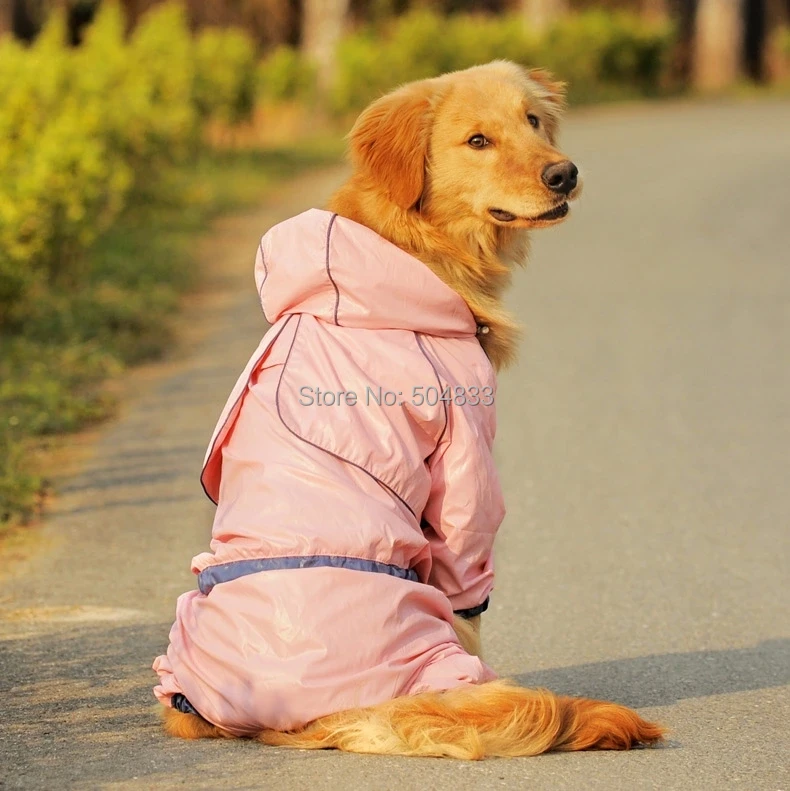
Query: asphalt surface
[644, 447]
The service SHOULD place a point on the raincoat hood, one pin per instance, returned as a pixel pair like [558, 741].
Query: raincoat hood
[344, 273]
[348, 530]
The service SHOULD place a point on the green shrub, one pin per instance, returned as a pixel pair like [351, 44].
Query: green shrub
[82, 129]
[59, 181]
[600, 54]
[285, 75]
[225, 75]
[94, 217]
[45, 389]
[161, 53]
[19, 487]
[412, 47]
[607, 55]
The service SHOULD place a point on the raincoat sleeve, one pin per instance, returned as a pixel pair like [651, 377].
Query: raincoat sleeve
[464, 509]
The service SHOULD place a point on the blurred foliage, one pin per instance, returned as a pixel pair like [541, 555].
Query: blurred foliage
[609, 55]
[54, 365]
[104, 184]
[419, 45]
[83, 128]
[284, 74]
[226, 73]
[601, 54]
[20, 488]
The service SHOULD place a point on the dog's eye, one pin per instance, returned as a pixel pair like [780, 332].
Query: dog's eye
[477, 141]
[534, 121]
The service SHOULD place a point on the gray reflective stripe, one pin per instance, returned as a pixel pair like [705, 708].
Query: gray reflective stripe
[226, 572]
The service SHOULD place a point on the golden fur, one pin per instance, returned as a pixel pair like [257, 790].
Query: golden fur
[418, 184]
[497, 719]
[467, 630]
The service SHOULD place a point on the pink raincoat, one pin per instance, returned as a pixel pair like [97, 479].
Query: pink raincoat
[357, 499]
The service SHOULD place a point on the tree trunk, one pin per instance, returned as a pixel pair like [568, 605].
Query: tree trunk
[6, 16]
[541, 14]
[323, 22]
[776, 62]
[718, 44]
[654, 10]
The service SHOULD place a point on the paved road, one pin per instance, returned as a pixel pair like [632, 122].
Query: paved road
[645, 451]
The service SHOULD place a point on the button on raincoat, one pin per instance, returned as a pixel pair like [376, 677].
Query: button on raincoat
[357, 499]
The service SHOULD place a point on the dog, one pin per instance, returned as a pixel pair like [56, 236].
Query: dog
[340, 605]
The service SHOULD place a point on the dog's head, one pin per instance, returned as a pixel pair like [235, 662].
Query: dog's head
[474, 147]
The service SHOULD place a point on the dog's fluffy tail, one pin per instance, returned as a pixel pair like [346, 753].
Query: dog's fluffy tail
[472, 722]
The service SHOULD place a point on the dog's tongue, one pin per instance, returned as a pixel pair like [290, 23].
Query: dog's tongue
[501, 215]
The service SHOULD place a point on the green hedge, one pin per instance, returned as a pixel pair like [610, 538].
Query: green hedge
[82, 128]
[284, 74]
[226, 74]
[602, 55]
[100, 187]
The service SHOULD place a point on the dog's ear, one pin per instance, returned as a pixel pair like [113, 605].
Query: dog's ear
[389, 141]
[551, 92]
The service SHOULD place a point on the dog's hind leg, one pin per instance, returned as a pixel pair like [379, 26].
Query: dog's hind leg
[473, 722]
[190, 726]
[467, 630]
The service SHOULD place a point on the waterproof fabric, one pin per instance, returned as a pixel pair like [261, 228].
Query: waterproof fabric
[402, 497]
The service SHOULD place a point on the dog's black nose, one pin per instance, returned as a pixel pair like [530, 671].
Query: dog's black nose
[560, 177]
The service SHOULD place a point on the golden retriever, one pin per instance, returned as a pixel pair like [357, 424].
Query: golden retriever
[456, 170]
